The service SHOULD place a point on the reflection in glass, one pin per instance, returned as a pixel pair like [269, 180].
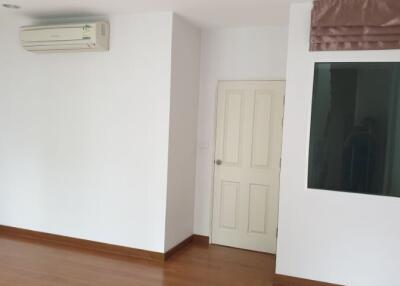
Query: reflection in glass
[355, 128]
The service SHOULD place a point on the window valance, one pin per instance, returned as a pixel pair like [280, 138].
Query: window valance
[355, 25]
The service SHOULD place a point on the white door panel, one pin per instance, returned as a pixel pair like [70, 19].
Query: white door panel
[246, 183]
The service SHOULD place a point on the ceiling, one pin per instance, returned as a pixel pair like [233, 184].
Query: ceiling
[204, 13]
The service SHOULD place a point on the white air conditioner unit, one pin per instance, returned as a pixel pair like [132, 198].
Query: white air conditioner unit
[66, 38]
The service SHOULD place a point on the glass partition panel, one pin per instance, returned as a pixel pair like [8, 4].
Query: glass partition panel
[355, 128]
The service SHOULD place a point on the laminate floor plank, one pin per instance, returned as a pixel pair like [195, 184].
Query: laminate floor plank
[28, 263]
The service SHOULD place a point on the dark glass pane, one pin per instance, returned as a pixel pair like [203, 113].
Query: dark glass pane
[355, 128]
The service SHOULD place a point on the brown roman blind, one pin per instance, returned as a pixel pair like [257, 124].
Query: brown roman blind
[355, 25]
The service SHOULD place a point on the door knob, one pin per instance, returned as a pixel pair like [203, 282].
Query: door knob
[218, 162]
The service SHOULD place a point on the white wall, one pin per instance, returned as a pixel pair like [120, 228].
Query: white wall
[343, 238]
[183, 132]
[230, 54]
[84, 137]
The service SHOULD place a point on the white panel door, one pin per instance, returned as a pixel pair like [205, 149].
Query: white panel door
[247, 164]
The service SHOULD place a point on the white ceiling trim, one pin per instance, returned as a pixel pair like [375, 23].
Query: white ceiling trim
[204, 13]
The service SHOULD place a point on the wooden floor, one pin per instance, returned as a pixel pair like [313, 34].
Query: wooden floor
[23, 262]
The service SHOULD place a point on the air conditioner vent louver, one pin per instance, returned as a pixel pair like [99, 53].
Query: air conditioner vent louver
[66, 38]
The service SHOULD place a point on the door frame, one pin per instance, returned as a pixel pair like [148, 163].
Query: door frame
[214, 144]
